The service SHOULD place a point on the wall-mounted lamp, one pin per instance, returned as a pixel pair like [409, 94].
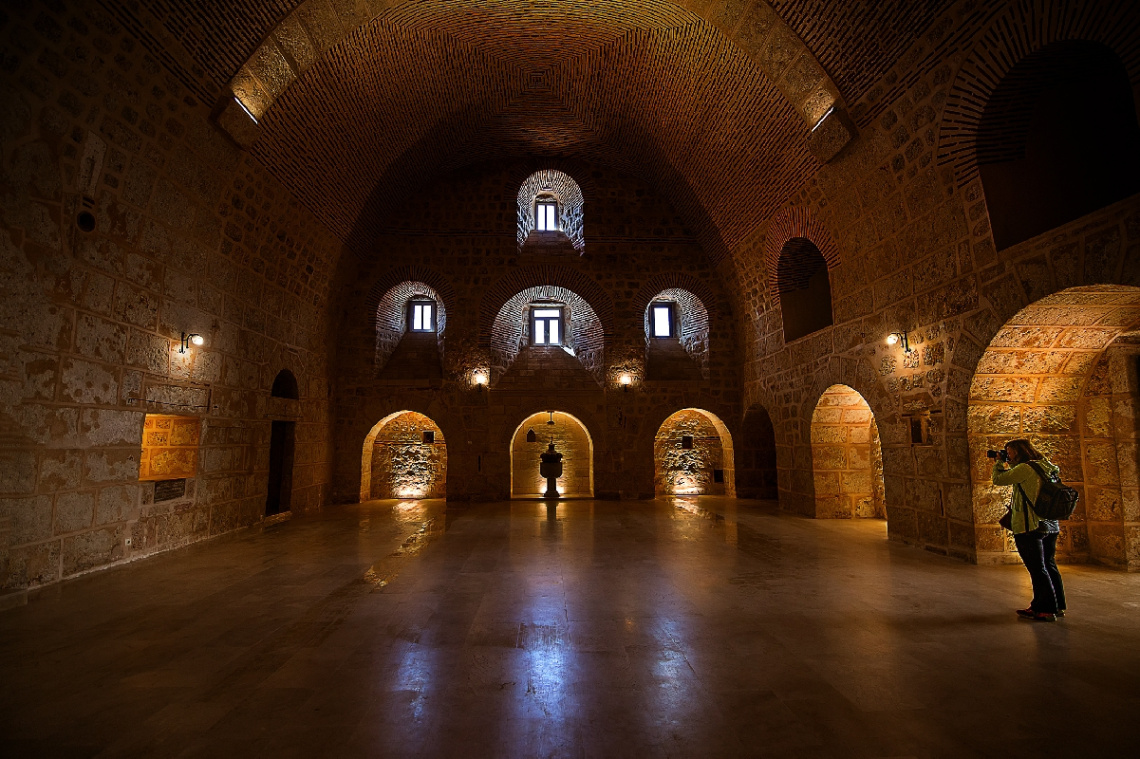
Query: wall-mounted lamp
[190, 339]
[480, 379]
[895, 337]
[625, 380]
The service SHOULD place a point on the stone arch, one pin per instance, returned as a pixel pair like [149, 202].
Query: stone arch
[409, 465]
[573, 440]
[1022, 29]
[790, 223]
[392, 326]
[804, 284]
[755, 455]
[285, 386]
[571, 206]
[584, 338]
[313, 28]
[1062, 373]
[497, 295]
[386, 306]
[847, 457]
[1042, 160]
[691, 446]
[692, 334]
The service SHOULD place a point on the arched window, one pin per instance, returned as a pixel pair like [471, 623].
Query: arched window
[804, 287]
[1058, 139]
[550, 209]
[676, 336]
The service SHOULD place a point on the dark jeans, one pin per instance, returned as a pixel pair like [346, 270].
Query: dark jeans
[1039, 552]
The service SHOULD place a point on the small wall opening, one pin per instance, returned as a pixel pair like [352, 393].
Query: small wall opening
[684, 353]
[847, 457]
[681, 469]
[400, 461]
[1058, 139]
[402, 351]
[805, 288]
[551, 200]
[571, 439]
[169, 447]
[756, 456]
[1062, 373]
[579, 361]
[285, 386]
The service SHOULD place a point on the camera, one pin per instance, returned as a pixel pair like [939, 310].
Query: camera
[999, 455]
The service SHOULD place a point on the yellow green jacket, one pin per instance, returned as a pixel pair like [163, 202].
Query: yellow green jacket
[1024, 519]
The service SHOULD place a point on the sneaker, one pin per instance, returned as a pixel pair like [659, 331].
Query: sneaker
[1041, 616]
[1026, 613]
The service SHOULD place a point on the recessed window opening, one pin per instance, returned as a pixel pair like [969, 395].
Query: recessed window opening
[422, 317]
[546, 325]
[664, 320]
[546, 215]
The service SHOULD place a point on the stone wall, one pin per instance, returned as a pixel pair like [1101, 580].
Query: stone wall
[169, 447]
[403, 464]
[571, 439]
[458, 235]
[909, 225]
[126, 220]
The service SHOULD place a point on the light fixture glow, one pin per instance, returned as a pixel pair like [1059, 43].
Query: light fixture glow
[479, 378]
[822, 118]
[247, 111]
[892, 338]
[197, 339]
[190, 339]
[626, 380]
[896, 337]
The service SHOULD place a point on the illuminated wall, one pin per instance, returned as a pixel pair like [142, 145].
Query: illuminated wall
[693, 471]
[403, 465]
[847, 459]
[571, 439]
[169, 447]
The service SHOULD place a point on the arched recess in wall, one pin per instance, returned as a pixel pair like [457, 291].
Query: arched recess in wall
[575, 359]
[676, 328]
[1058, 139]
[550, 209]
[404, 456]
[571, 438]
[285, 386]
[1062, 373]
[411, 320]
[693, 455]
[804, 286]
[756, 473]
[847, 457]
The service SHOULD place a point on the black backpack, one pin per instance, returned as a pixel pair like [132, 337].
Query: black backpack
[1055, 499]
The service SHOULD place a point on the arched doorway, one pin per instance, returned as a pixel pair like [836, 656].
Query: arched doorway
[847, 457]
[756, 456]
[692, 455]
[571, 439]
[1062, 373]
[282, 440]
[405, 456]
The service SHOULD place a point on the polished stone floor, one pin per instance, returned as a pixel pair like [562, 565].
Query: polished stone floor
[704, 627]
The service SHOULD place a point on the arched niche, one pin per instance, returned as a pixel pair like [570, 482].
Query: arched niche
[571, 438]
[1062, 373]
[847, 457]
[693, 455]
[583, 339]
[285, 386]
[756, 473]
[804, 286]
[551, 186]
[688, 336]
[404, 456]
[1058, 139]
[393, 326]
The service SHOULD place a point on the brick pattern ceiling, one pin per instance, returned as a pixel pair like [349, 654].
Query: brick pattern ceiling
[433, 85]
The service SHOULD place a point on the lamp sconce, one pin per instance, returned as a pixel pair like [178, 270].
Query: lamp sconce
[896, 337]
[190, 339]
[480, 379]
[626, 381]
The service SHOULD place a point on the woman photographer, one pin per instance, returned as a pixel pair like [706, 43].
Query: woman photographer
[1036, 538]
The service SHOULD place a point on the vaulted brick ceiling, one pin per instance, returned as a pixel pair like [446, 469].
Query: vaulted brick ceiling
[430, 85]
